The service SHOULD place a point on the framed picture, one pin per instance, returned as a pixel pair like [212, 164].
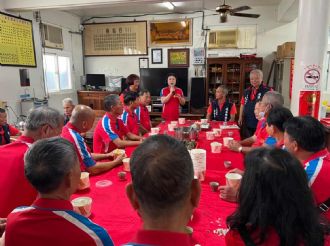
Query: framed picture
[170, 33]
[143, 62]
[156, 56]
[178, 57]
[115, 39]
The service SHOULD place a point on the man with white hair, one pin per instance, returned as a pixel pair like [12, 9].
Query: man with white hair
[251, 96]
[42, 122]
[68, 107]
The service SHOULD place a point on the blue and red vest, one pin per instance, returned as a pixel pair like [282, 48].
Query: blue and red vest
[6, 134]
[221, 114]
[249, 117]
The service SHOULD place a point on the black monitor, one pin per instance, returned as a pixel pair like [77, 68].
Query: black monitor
[95, 80]
[154, 79]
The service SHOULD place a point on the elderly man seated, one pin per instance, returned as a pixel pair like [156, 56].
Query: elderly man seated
[68, 107]
[52, 167]
[163, 191]
[81, 121]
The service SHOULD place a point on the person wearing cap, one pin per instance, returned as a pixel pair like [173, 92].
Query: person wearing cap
[81, 121]
[221, 109]
[130, 119]
[304, 137]
[133, 82]
[253, 94]
[171, 97]
[110, 132]
[6, 130]
[142, 112]
[52, 168]
[163, 191]
[42, 122]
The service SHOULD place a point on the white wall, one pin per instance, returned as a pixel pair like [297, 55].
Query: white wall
[270, 33]
[10, 80]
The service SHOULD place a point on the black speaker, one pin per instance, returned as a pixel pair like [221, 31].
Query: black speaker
[197, 95]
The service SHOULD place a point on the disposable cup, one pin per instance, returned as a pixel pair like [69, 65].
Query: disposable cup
[233, 180]
[226, 141]
[182, 121]
[210, 135]
[82, 205]
[204, 121]
[174, 123]
[171, 127]
[217, 132]
[126, 166]
[216, 147]
[155, 130]
[84, 181]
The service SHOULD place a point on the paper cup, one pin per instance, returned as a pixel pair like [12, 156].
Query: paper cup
[216, 147]
[214, 186]
[217, 132]
[154, 130]
[204, 121]
[227, 164]
[210, 135]
[171, 127]
[82, 205]
[233, 180]
[182, 121]
[226, 141]
[84, 181]
[198, 157]
[126, 166]
[174, 123]
[230, 134]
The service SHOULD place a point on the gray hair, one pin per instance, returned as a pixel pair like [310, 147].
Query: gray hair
[48, 161]
[274, 98]
[67, 100]
[110, 101]
[224, 89]
[258, 72]
[43, 115]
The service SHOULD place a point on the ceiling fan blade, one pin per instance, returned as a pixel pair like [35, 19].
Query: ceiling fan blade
[245, 15]
[238, 9]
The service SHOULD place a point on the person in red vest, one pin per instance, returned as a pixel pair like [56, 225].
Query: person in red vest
[172, 97]
[133, 82]
[142, 112]
[6, 130]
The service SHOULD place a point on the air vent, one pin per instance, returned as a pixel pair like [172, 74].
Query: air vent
[52, 36]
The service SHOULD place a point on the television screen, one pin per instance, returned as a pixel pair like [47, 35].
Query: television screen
[154, 79]
[96, 80]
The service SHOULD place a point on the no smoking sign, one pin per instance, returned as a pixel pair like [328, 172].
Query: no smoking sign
[312, 76]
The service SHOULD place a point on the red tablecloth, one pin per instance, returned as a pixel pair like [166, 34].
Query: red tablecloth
[111, 208]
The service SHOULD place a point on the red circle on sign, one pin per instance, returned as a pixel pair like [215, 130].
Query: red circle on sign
[312, 76]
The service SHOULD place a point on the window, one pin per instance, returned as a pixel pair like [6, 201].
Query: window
[57, 73]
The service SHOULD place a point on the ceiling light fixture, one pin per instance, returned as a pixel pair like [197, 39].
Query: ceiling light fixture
[168, 5]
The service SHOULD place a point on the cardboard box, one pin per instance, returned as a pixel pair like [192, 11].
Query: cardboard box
[279, 52]
[288, 49]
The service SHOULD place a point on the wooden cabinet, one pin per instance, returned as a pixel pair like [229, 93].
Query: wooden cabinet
[93, 99]
[233, 72]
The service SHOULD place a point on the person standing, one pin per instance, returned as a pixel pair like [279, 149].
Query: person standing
[6, 130]
[253, 94]
[171, 97]
[221, 109]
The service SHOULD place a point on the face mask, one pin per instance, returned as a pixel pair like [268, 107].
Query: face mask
[261, 114]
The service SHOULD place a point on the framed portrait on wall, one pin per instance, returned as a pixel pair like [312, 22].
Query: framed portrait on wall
[156, 56]
[178, 57]
[143, 62]
[170, 33]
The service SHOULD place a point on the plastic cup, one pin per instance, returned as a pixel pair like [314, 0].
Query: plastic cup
[182, 121]
[227, 164]
[210, 135]
[216, 147]
[174, 123]
[214, 186]
[226, 141]
[122, 175]
[171, 127]
[82, 205]
[126, 166]
[84, 181]
[204, 121]
[217, 132]
[154, 130]
[233, 180]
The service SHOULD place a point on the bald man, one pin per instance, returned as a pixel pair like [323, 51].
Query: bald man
[81, 121]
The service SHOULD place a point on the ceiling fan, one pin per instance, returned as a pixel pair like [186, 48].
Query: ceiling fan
[225, 9]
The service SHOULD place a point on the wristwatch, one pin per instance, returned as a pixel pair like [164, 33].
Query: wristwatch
[240, 149]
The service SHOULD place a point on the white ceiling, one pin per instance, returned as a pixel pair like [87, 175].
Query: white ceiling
[143, 7]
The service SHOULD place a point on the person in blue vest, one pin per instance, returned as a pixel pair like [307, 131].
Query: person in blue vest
[221, 109]
[253, 94]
